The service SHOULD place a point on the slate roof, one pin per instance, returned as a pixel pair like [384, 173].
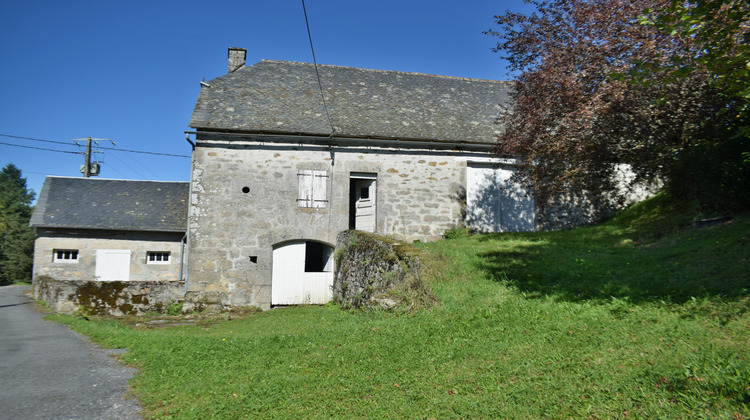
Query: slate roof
[112, 204]
[284, 97]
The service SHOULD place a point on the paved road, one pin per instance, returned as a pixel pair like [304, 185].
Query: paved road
[48, 371]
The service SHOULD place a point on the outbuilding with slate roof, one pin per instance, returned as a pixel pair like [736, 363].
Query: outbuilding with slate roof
[106, 230]
[283, 161]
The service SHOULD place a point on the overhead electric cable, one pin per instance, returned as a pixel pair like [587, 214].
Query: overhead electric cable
[112, 168]
[317, 74]
[142, 151]
[143, 166]
[128, 166]
[31, 138]
[98, 147]
[41, 148]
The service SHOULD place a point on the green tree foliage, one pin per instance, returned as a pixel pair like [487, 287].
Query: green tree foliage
[579, 109]
[719, 33]
[719, 30]
[16, 237]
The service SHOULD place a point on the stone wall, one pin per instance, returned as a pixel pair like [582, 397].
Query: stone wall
[372, 271]
[244, 203]
[87, 242]
[107, 298]
[569, 211]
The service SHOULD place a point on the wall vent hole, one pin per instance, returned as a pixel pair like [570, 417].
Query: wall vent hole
[254, 259]
[245, 190]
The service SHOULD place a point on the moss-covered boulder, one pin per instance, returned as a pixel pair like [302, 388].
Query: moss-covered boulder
[374, 271]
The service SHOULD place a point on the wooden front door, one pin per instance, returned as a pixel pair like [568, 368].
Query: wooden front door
[364, 204]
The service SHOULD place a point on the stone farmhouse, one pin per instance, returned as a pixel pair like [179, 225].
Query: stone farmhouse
[283, 161]
[285, 156]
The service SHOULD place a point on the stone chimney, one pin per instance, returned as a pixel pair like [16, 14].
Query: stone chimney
[236, 59]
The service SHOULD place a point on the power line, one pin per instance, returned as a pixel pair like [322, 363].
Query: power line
[31, 138]
[141, 151]
[98, 147]
[41, 148]
[317, 74]
[143, 166]
[128, 166]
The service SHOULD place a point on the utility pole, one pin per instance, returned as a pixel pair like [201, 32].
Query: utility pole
[86, 167]
[87, 162]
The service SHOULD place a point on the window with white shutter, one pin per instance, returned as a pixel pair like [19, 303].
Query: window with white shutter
[312, 189]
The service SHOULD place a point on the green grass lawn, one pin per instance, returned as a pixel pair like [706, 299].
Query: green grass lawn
[641, 317]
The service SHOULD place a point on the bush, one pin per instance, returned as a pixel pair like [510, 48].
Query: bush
[456, 232]
[175, 308]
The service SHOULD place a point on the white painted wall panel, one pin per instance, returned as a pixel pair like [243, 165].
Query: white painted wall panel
[494, 203]
[112, 265]
[288, 270]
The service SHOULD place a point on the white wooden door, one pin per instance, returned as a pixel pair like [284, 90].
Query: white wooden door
[494, 203]
[482, 199]
[112, 265]
[516, 204]
[364, 196]
[292, 285]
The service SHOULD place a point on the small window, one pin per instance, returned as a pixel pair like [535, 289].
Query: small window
[312, 189]
[65, 256]
[157, 257]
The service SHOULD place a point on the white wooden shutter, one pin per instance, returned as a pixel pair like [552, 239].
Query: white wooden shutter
[312, 189]
[320, 183]
[305, 195]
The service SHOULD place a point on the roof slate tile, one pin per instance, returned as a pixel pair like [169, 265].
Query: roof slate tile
[112, 204]
[284, 97]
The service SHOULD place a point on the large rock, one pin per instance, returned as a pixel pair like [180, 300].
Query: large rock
[373, 271]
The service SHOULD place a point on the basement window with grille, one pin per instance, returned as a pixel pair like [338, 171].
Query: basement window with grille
[157, 257]
[65, 256]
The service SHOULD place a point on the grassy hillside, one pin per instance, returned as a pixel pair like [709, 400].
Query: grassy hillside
[651, 253]
[641, 317]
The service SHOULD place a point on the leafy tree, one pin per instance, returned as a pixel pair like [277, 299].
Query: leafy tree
[719, 31]
[16, 237]
[575, 118]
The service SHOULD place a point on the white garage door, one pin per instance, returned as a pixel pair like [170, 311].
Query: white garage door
[494, 203]
[112, 264]
[302, 273]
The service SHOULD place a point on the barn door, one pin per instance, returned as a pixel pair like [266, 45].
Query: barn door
[112, 264]
[363, 214]
[302, 273]
[494, 203]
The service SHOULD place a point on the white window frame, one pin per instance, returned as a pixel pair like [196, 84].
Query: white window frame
[157, 257]
[65, 256]
[313, 189]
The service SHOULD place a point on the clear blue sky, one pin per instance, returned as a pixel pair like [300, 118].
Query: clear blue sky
[130, 71]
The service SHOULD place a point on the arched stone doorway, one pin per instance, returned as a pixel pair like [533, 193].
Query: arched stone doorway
[302, 273]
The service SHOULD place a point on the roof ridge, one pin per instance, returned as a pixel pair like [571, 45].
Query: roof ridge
[382, 71]
[115, 179]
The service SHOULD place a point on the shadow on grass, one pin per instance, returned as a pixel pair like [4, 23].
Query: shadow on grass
[607, 261]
